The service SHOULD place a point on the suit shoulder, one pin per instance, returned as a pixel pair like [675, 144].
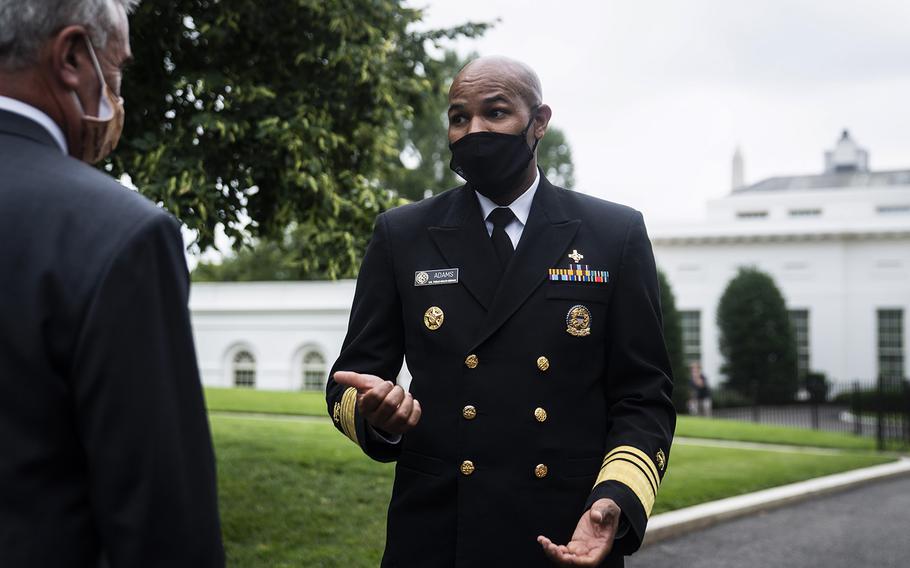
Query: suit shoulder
[78, 211]
[124, 207]
[420, 214]
[590, 206]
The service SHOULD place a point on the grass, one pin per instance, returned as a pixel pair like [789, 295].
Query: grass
[698, 474]
[313, 404]
[721, 429]
[267, 402]
[298, 493]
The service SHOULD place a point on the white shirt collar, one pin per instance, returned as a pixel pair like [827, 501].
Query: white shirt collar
[28, 111]
[521, 207]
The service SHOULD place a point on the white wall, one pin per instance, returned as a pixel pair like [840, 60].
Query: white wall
[842, 282]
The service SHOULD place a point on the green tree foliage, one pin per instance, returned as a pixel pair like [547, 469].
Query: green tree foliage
[673, 339]
[756, 338]
[309, 250]
[263, 116]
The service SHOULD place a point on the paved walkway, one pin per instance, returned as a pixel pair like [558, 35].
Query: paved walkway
[864, 527]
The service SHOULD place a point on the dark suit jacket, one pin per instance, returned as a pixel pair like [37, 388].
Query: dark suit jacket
[606, 395]
[105, 451]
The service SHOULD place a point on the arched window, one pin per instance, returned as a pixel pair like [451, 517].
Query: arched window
[244, 369]
[314, 370]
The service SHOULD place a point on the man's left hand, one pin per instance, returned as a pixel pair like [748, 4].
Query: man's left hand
[592, 540]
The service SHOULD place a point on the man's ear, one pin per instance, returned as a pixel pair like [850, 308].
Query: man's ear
[68, 57]
[542, 120]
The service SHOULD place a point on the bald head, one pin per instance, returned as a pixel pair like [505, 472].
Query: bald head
[514, 75]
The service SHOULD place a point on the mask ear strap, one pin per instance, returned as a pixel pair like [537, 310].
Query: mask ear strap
[530, 122]
[105, 112]
[95, 62]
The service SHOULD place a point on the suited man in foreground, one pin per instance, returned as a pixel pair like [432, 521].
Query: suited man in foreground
[105, 452]
[538, 424]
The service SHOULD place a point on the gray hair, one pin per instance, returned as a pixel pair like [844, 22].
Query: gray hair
[26, 24]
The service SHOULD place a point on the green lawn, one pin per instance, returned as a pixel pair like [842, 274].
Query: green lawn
[695, 427]
[313, 404]
[269, 402]
[297, 493]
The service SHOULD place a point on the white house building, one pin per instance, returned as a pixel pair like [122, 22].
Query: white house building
[269, 335]
[837, 244]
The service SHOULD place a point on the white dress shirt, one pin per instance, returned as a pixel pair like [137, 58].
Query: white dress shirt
[521, 207]
[28, 111]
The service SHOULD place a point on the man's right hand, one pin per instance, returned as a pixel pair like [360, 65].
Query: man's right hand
[385, 405]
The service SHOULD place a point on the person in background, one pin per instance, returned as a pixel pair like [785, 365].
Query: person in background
[700, 402]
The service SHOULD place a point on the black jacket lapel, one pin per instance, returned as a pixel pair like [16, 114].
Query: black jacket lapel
[463, 241]
[546, 236]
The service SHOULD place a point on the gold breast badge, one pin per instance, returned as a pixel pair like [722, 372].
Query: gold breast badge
[433, 318]
[578, 321]
[576, 256]
[661, 460]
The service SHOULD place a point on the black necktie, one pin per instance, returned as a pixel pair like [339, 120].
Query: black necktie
[501, 217]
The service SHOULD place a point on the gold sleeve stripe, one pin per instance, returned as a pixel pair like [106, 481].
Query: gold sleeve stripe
[621, 457]
[646, 461]
[348, 405]
[632, 477]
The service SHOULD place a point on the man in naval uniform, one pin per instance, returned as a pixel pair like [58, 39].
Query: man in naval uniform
[538, 423]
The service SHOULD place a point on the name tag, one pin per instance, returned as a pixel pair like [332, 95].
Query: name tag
[436, 277]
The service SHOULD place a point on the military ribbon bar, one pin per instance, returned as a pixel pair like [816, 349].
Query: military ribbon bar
[579, 273]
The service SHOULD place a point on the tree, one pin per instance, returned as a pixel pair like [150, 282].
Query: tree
[673, 339]
[756, 339]
[305, 251]
[258, 116]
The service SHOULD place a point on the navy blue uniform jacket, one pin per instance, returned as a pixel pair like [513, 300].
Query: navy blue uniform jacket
[105, 452]
[524, 424]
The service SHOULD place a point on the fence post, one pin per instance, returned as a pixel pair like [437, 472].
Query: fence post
[880, 415]
[907, 411]
[857, 410]
[815, 415]
[755, 409]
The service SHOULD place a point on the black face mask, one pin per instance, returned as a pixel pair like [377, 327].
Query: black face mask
[492, 162]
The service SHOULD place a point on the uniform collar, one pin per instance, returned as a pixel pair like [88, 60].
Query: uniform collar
[521, 207]
[16, 106]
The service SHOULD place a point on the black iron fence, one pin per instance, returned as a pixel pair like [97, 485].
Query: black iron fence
[879, 409]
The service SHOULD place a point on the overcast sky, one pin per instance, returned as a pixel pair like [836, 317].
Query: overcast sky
[654, 95]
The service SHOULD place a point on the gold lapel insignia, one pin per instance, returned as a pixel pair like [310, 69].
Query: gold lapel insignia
[661, 460]
[576, 256]
[578, 321]
[433, 318]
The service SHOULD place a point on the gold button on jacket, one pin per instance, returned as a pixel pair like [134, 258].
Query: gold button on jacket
[467, 467]
[543, 363]
[471, 361]
[540, 414]
[469, 412]
[540, 471]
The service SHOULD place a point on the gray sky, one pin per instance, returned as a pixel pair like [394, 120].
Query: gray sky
[654, 95]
